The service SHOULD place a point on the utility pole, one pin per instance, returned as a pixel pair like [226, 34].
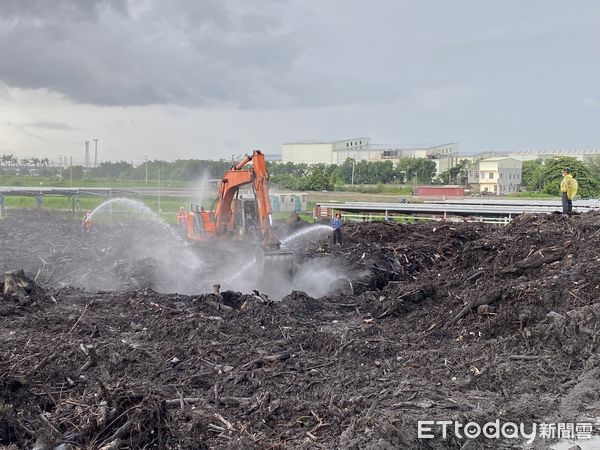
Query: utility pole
[95, 152]
[146, 169]
[87, 154]
[158, 176]
[71, 171]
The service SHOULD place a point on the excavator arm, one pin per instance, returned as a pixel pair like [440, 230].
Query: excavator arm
[224, 213]
[237, 177]
[261, 191]
[223, 220]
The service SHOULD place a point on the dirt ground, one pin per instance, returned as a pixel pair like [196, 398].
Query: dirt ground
[435, 321]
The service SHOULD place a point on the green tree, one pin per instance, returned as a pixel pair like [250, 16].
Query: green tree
[75, 172]
[288, 168]
[366, 172]
[383, 172]
[45, 162]
[343, 172]
[109, 169]
[320, 178]
[532, 175]
[416, 170]
[594, 164]
[455, 175]
[589, 185]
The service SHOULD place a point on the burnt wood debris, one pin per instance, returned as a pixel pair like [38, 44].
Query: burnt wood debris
[435, 321]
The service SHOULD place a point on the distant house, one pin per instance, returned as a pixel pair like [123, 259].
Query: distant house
[498, 175]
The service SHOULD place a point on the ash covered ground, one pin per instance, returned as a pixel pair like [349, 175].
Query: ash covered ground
[436, 321]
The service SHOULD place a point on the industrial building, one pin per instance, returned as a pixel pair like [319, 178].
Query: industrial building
[532, 155]
[333, 152]
[432, 152]
[360, 149]
[444, 155]
[581, 155]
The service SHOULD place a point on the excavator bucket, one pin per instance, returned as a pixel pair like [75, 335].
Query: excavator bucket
[277, 270]
[278, 260]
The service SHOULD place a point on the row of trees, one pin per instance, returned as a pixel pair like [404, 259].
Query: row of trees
[542, 176]
[288, 175]
[322, 176]
[9, 160]
[181, 169]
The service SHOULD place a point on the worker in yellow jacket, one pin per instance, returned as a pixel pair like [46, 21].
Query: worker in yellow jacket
[568, 190]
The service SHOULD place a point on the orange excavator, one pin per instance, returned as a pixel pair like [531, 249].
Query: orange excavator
[235, 218]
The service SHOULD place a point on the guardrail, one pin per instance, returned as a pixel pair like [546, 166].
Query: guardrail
[488, 213]
[73, 195]
[408, 219]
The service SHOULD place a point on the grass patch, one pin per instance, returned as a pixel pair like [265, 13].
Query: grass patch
[28, 181]
[307, 217]
[531, 194]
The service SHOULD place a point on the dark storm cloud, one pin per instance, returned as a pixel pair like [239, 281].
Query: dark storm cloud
[57, 10]
[193, 53]
[303, 53]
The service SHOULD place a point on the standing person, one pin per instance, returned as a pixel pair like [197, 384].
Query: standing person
[182, 218]
[568, 190]
[86, 223]
[336, 224]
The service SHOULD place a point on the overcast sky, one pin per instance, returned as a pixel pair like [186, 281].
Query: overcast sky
[211, 78]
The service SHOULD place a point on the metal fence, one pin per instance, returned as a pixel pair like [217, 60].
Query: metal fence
[409, 219]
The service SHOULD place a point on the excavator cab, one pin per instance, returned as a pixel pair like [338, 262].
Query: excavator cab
[248, 219]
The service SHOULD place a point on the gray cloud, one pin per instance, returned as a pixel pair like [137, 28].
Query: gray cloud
[44, 13]
[48, 125]
[191, 53]
[114, 53]
[291, 54]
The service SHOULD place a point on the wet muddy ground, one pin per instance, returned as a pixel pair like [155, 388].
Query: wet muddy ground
[436, 321]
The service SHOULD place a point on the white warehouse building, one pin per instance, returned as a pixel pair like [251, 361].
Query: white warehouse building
[360, 149]
[334, 152]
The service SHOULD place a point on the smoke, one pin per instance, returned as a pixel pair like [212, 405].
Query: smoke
[134, 255]
[321, 276]
[150, 254]
[131, 248]
[204, 192]
[243, 266]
